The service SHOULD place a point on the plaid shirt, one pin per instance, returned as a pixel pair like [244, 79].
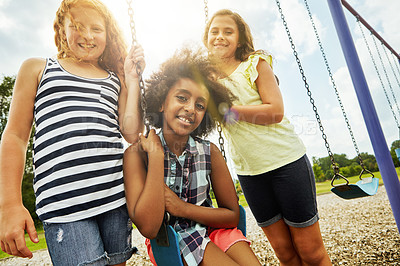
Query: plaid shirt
[189, 177]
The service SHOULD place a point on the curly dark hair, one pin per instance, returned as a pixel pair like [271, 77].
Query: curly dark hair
[194, 65]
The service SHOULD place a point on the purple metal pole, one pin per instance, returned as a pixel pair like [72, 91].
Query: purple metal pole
[382, 154]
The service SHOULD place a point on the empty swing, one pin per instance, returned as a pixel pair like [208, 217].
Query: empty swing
[366, 186]
[165, 246]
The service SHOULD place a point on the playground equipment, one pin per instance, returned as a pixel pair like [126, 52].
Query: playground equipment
[382, 153]
[366, 186]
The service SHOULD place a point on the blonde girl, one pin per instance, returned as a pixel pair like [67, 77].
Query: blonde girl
[79, 104]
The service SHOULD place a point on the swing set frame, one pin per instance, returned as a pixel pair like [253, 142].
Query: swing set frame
[375, 132]
[381, 150]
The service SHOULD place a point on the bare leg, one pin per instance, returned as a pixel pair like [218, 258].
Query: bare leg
[242, 253]
[213, 255]
[309, 245]
[280, 238]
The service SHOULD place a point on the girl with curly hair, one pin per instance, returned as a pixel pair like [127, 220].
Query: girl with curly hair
[175, 169]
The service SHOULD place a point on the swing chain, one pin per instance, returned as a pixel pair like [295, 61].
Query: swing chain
[335, 89]
[337, 175]
[219, 127]
[378, 73]
[321, 128]
[390, 64]
[206, 10]
[396, 63]
[221, 140]
[131, 22]
[139, 70]
[386, 74]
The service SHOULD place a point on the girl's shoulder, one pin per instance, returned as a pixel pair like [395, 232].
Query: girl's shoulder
[254, 58]
[34, 63]
[32, 68]
[248, 68]
[134, 152]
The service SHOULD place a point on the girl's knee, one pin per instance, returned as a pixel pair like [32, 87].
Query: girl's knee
[285, 251]
[312, 254]
[242, 254]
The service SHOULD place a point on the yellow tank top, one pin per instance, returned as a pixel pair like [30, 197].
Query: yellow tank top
[256, 149]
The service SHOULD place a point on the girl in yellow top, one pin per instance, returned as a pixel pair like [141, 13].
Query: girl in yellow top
[269, 158]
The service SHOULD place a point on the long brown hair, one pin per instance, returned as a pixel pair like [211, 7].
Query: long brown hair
[115, 51]
[246, 46]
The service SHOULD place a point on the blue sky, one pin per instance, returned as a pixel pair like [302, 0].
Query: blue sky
[164, 26]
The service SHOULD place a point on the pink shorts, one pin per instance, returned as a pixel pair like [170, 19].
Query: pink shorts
[224, 238]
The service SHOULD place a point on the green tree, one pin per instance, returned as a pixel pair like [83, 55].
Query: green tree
[395, 145]
[318, 173]
[28, 195]
[342, 160]
[369, 161]
[347, 167]
[5, 100]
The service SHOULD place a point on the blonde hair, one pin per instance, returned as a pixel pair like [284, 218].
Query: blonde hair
[115, 51]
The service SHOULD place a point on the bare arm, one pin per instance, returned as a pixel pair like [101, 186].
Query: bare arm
[145, 189]
[227, 213]
[271, 110]
[14, 217]
[130, 118]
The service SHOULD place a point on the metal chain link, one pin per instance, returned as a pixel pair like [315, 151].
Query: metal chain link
[139, 70]
[321, 128]
[221, 139]
[378, 73]
[386, 75]
[390, 86]
[219, 126]
[397, 62]
[131, 22]
[334, 85]
[206, 11]
[390, 64]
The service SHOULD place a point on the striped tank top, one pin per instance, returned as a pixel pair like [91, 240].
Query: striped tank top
[77, 150]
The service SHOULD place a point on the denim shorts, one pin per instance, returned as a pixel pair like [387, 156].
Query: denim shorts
[286, 193]
[105, 239]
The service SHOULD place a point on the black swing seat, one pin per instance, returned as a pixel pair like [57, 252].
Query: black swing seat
[365, 187]
[166, 246]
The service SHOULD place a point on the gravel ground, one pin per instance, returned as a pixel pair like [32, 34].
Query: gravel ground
[355, 232]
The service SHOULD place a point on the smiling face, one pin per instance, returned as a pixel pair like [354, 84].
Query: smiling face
[184, 108]
[85, 32]
[223, 37]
